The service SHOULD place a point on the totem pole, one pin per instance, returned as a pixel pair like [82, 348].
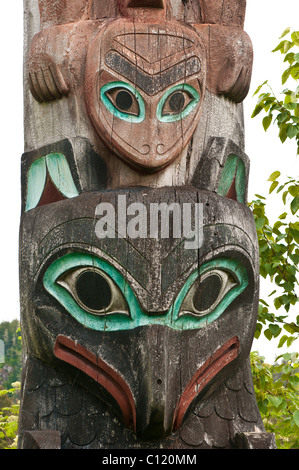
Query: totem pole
[139, 258]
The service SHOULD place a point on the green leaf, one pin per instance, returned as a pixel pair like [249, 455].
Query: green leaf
[282, 341]
[284, 196]
[260, 222]
[291, 328]
[295, 205]
[275, 330]
[267, 121]
[273, 186]
[295, 37]
[294, 190]
[294, 258]
[291, 131]
[259, 88]
[285, 76]
[257, 110]
[287, 356]
[274, 176]
[282, 117]
[295, 71]
[284, 46]
[296, 418]
[268, 334]
[294, 381]
[283, 133]
[286, 31]
[275, 401]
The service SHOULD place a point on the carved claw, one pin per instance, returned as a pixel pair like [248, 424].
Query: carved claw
[46, 80]
[47, 84]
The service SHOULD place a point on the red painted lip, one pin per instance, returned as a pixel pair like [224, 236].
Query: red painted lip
[73, 353]
[223, 356]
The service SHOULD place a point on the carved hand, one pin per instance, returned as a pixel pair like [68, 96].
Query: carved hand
[46, 65]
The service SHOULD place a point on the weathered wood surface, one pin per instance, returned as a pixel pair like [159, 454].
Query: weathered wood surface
[137, 340]
[62, 47]
[152, 371]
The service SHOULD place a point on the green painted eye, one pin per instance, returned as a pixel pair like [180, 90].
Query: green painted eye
[206, 295]
[123, 101]
[177, 103]
[97, 295]
[91, 290]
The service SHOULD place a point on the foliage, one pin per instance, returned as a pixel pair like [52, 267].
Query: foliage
[279, 257]
[279, 242]
[10, 371]
[285, 111]
[276, 387]
[9, 416]
[10, 376]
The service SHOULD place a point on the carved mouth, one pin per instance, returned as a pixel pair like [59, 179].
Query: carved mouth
[73, 353]
[223, 356]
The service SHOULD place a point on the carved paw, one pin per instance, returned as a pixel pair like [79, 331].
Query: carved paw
[46, 64]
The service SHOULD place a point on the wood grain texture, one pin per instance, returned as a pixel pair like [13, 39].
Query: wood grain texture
[132, 108]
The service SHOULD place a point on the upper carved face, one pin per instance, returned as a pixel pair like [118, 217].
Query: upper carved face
[144, 90]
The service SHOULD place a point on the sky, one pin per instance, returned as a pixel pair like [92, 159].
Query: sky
[265, 22]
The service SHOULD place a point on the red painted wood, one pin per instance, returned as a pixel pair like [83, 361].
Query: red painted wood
[78, 356]
[223, 356]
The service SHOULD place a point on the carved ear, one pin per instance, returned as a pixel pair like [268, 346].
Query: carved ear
[223, 12]
[60, 11]
[229, 60]
[229, 48]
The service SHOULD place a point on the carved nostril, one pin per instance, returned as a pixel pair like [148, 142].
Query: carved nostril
[160, 149]
[145, 149]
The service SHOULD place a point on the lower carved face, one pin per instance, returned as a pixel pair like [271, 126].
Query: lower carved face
[153, 323]
[144, 90]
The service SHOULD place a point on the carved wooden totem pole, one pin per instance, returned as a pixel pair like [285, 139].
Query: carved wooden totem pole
[139, 257]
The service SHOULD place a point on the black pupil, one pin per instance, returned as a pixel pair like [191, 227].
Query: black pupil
[177, 102]
[124, 100]
[207, 292]
[93, 290]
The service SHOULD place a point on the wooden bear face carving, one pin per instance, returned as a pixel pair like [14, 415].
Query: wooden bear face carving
[144, 90]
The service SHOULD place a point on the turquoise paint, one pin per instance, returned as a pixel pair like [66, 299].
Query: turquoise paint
[115, 321]
[36, 183]
[240, 181]
[227, 175]
[119, 114]
[60, 173]
[186, 111]
[230, 265]
[234, 168]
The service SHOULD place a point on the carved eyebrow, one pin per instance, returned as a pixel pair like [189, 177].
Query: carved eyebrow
[152, 84]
